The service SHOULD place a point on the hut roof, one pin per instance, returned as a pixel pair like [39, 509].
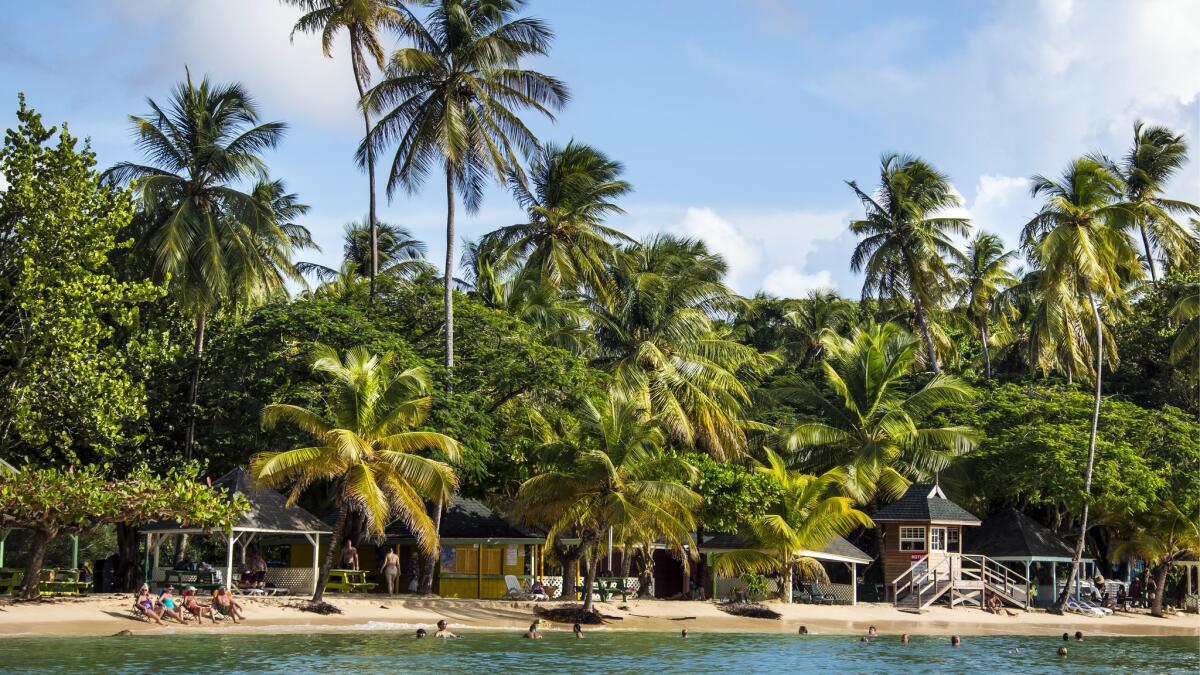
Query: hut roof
[836, 548]
[924, 502]
[268, 511]
[469, 519]
[1012, 534]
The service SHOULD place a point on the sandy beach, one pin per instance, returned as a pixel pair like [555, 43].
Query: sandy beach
[108, 614]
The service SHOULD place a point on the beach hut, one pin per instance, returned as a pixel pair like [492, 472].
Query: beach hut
[478, 549]
[923, 525]
[1013, 537]
[269, 520]
[837, 550]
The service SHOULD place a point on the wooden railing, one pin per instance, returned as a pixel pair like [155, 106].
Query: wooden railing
[924, 582]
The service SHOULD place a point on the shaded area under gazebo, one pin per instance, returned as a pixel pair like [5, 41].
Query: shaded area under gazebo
[269, 520]
[836, 550]
[1013, 537]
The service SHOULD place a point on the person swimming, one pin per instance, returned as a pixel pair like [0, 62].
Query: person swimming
[1079, 636]
[955, 641]
[904, 638]
[1062, 651]
[532, 633]
[803, 630]
[578, 630]
[1066, 637]
[421, 633]
[872, 631]
[443, 630]
[683, 633]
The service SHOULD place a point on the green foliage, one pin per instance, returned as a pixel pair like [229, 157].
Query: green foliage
[756, 585]
[731, 493]
[68, 339]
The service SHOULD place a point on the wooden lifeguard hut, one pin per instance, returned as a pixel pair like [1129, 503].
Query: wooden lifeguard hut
[923, 559]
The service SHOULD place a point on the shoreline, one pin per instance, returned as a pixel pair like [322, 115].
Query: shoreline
[108, 614]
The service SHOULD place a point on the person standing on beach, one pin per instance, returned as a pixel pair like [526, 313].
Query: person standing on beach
[349, 555]
[390, 570]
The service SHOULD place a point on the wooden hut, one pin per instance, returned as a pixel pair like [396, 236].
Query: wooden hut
[922, 523]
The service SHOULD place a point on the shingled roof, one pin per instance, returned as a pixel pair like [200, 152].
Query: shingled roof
[268, 511]
[469, 519]
[924, 503]
[836, 548]
[1012, 534]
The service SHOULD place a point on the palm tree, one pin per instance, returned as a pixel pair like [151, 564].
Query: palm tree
[394, 253]
[1161, 536]
[217, 244]
[362, 20]
[567, 194]
[1079, 240]
[807, 516]
[1186, 311]
[366, 447]
[984, 276]
[618, 476]
[454, 98]
[906, 238]
[872, 426]
[658, 340]
[1156, 155]
[820, 313]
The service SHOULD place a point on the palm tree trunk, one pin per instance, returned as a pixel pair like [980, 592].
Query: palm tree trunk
[359, 80]
[1160, 580]
[589, 580]
[433, 559]
[928, 335]
[786, 581]
[686, 592]
[33, 564]
[1091, 457]
[331, 554]
[1149, 258]
[449, 289]
[194, 387]
[987, 354]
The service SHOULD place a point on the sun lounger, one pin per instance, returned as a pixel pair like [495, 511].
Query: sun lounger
[1079, 607]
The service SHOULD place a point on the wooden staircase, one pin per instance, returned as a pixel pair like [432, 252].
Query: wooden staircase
[968, 579]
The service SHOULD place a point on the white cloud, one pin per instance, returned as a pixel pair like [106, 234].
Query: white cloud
[789, 282]
[722, 236]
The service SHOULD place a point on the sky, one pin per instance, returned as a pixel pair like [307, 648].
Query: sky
[737, 122]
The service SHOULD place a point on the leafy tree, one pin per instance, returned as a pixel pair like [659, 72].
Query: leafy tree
[1186, 311]
[219, 246]
[1156, 155]
[53, 501]
[906, 238]
[659, 342]
[807, 515]
[1161, 536]
[869, 424]
[363, 20]
[366, 445]
[455, 98]
[615, 475]
[731, 493]
[396, 253]
[1078, 238]
[820, 313]
[1155, 367]
[67, 354]
[984, 276]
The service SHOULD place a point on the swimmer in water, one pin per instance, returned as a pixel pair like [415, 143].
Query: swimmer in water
[421, 633]
[1079, 636]
[684, 633]
[904, 638]
[872, 632]
[532, 633]
[443, 630]
[803, 630]
[955, 641]
[1062, 651]
[577, 630]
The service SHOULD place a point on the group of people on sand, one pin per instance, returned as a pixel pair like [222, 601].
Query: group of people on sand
[166, 605]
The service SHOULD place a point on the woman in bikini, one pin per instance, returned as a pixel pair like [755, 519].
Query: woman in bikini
[145, 604]
[169, 606]
[193, 606]
[391, 570]
[223, 603]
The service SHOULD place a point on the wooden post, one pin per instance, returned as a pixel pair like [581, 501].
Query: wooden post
[74, 552]
[4, 535]
[853, 584]
[479, 574]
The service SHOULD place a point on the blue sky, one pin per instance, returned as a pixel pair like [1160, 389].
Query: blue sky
[737, 122]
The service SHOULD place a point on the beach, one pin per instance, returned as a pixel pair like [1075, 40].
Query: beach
[107, 614]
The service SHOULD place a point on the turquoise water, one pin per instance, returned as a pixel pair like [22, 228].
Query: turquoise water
[607, 651]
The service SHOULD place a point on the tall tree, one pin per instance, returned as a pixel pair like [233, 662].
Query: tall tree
[363, 20]
[1079, 240]
[218, 245]
[1161, 536]
[1156, 155]
[906, 239]
[984, 275]
[455, 98]
[365, 444]
[820, 313]
[395, 253]
[869, 423]
[565, 245]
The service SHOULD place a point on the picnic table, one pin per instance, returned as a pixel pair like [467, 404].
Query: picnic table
[208, 580]
[349, 581]
[606, 587]
[51, 582]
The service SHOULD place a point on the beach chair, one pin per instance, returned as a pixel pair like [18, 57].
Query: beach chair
[1093, 607]
[513, 590]
[1079, 607]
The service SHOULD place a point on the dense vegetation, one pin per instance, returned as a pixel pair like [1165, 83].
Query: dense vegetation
[596, 382]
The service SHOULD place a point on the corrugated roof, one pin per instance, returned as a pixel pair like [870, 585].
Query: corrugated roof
[1012, 534]
[468, 519]
[837, 546]
[924, 502]
[268, 509]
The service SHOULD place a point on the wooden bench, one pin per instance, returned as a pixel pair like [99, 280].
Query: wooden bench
[349, 581]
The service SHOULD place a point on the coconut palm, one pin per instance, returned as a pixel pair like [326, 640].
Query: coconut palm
[616, 475]
[1156, 155]
[820, 313]
[870, 425]
[565, 245]
[1161, 536]
[395, 253]
[906, 238]
[658, 339]
[363, 21]
[984, 275]
[808, 515]
[454, 99]
[1186, 311]
[218, 245]
[1079, 240]
[366, 446]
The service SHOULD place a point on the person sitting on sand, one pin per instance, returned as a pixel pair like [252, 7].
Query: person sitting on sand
[224, 603]
[578, 631]
[443, 630]
[349, 555]
[955, 641]
[145, 604]
[421, 633]
[537, 588]
[169, 607]
[532, 633]
[193, 606]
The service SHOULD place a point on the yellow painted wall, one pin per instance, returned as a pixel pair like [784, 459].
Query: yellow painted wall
[465, 582]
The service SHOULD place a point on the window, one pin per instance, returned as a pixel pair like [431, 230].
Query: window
[912, 539]
[937, 539]
[952, 544]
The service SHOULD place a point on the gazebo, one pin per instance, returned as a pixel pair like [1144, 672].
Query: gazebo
[1013, 537]
[268, 520]
[836, 550]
